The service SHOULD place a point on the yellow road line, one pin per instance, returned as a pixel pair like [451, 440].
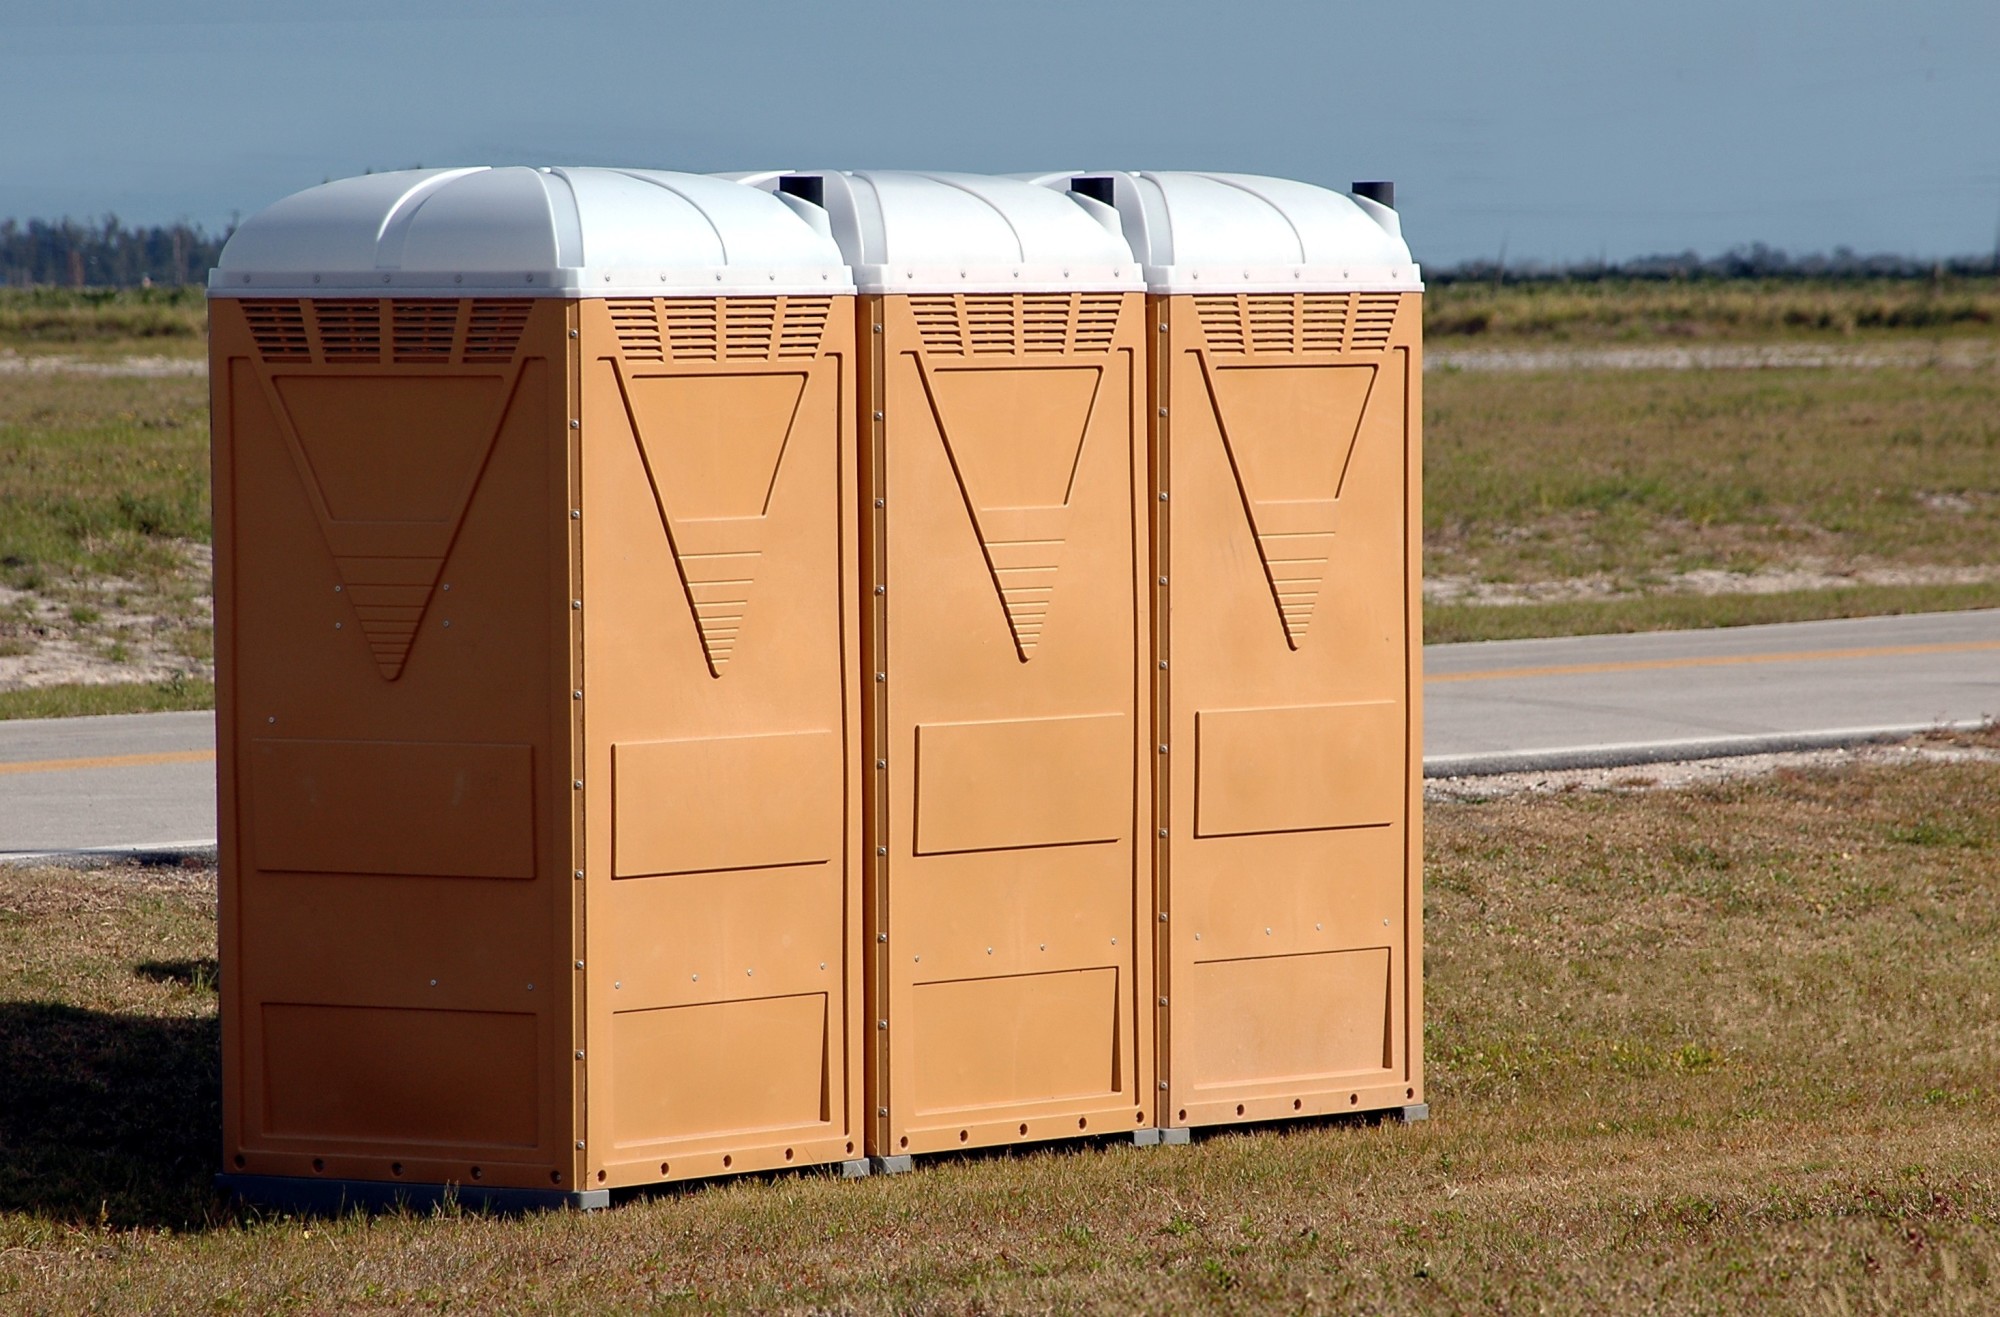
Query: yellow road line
[1716, 661]
[108, 761]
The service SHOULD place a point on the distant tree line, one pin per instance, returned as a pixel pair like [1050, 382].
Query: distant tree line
[67, 253]
[1756, 261]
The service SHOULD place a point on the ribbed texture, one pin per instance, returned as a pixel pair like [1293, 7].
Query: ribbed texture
[1016, 324]
[422, 331]
[1251, 323]
[719, 328]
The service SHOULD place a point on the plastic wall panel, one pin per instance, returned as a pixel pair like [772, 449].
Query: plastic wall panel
[1286, 656]
[1010, 934]
[720, 702]
[392, 716]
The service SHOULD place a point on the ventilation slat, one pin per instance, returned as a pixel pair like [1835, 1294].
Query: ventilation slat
[494, 330]
[423, 330]
[348, 330]
[1250, 323]
[278, 328]
[1016, 324]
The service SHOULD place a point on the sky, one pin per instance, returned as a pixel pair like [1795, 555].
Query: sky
[1538, 130]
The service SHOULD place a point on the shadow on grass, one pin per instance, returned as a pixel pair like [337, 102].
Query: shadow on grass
[201, 973]
[111, 1119]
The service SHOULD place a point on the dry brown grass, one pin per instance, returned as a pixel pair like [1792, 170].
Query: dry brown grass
[1725, 1048]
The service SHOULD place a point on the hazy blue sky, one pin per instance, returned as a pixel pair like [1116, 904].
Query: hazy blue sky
[1561, 129]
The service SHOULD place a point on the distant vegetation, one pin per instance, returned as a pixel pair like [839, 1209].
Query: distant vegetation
[68, 253]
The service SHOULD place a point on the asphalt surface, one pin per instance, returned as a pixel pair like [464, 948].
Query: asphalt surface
[146, 783]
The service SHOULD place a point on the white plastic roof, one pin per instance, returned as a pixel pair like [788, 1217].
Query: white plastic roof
[1200, 232]
[533, 232]
[908, 232]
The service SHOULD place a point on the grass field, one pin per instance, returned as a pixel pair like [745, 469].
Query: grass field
[1556, 501]
[1728, 1048]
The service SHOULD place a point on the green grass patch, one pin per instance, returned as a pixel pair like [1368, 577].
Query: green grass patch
[1721, 1049]
[1646, 310]
[1447, 623]
[79, 701]
[1636, 475]
[164, 321]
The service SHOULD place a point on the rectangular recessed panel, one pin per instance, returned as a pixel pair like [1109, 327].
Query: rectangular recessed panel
[1030, 782]
[406, 1076]
[1273, 1018]
[1298, 769]
[682, 1072]
[732, 802]
[1023, 1038]
[404, 807]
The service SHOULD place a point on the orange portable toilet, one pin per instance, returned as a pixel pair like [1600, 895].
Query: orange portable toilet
[1287, 644]
[538, 687]
[1003, 463]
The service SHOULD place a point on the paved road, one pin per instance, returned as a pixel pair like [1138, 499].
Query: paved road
[1693, 694]
[147, 782]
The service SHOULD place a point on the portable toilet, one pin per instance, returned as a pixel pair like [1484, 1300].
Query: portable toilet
[537, 687]
[1286, 652]
[1003, 464]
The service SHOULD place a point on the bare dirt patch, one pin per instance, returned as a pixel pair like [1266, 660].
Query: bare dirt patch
[109, 631]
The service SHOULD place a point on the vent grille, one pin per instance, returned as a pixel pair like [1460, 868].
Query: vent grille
[348, 331]
[422, 331]
[719, 329]
[1016, 324]
[494, 332]
[279, 329]
[1297, 322]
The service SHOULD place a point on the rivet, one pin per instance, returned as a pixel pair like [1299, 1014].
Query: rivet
[1163, 411]
[694, 978]
[579, 964]
[579, 1145]
[881, 763]
[1114, 941]
[446, 586]
[989, 951]
[1163, 580]
[881, 1111]
[881, 676]
[1316, 928]
[881, 937]
[1197, 937]
[572, 333]
[1163, 916]
[1163, 749]
[1163, 496]
[337, 589]
[447, 622]
[575, 424]
[1163, 1002]
[881, 589]
[1163, 832]
[531, 987]
[1163, 326]
[1044, 946]
[616, 984]
[878, 502]
[916, 960]
[822, 964]
[576, 695]
[1267, 932]
[878, 416]
[579, 1054]
[1385, 923]
[576, 514]
[579, 873]
[577, 785]
[881, 1024]
[576, 603]
[273, 718]
[434, 983]
[748, 973]
[336, 626]
[1163, 665]
[1163, 1083]
[878, 329]
[881, 850]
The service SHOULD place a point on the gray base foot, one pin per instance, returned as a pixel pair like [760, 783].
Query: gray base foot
[1415, 1112]
[1155, 1138]
[321, 1197]
[891, 1165]
[858, 1169]
[1176, 1138]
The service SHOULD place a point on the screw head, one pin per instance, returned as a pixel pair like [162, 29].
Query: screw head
[575, 424]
